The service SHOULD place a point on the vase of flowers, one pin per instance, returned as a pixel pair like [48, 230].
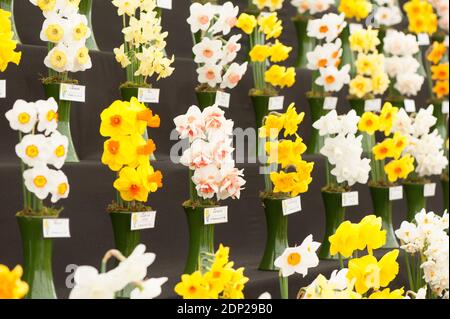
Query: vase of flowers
[42, 151]
[345, 167]
[214, 51]
[66, 54]
[328, 76]
[286, 176]
[212, 176]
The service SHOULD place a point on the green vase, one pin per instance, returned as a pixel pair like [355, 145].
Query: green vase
[260, 105]
[205, 99]
[37, 258]
[444, 183]
[86, 9]
[125, 241]
[347, 54]
[334, 215]
[201, 238]
[8, 5]
[415, 199]
[383, 208]
[317, 111]
[277, 233]
[441, 123]
[128, 92]
[305, 44]
[52, 90]
[358, 105]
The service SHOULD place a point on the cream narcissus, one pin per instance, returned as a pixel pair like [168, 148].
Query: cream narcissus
[143, 53]
[8, 53]
[295, 174]
[67, 31]
[11, 285]
[217, 279]
[262, 52]
[213, 53]
[127, 151]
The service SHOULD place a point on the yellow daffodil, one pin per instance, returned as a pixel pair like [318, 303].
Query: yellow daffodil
[369, 123]
[345, 240]
[436, 52]
[246, 22]
[400, 168]
[366, 272]
[364, 40]
[193, 286]
[279, 52]
[400, 143]
[117, 152]
[272, 126]
[288, 78]
[384, 149]
[152, 180]
[380, 82]
[7, 44]
[119, 119]
[292, 120]
[234, 288]
[421, 17]
[441, 89]
[46, 5]
[270, 25]
[370, 234]
[387, 118]
[388, 294]
[355, 9]
[360, 86]
[259, 53]
[440, 72]
[222, 255]
[11, 285]
[283, 182]
[389, 267]
[131, 185]
[366, 64]
[274, 75]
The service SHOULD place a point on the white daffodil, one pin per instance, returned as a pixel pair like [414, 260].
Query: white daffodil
[38, 180]
[54, 29]
[148, 5]
[89, 284]
[332, 79]
[200, 16]
[134, 268]
[227, 18]
[328, 27]
[233, 75]
[121, 57]
[22, 117]
[149, 289]
[190, 125]
[67, 7]
[298, 259]
[60, 188]
[231, 48]
[208, 51]
[409, 84]
[207, 181]
[78, 28]
[82, 60]
[265, 295]
[325, 56]
[33, 150]
[60, 58]
[127, 7]
[47, 115]
[57, 146]
[210, 74]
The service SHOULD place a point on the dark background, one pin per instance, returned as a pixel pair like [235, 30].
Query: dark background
[91, 182]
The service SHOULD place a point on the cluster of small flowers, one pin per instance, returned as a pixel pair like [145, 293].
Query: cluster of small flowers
[424, 145]
[37, 151]
[210, 152]
[68, 31]
[213, 54]
[401, 65]
[343, 148]
[427, 236]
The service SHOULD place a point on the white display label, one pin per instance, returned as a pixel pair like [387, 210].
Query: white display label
[410, 105]
[164, 4]
[445, 107]
[2, 89]
[72, 92]
[143, 220]
[276, 103]
[223, 99]
[373, 105]
[330, 103]
[429, 190]
[216, 215]
[56, 228]
[355, 27]
[395, 193]
[350, 199]
[146, 95]
[423, 39]
[291, 205]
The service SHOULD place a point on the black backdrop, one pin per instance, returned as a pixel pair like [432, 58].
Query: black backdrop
[91, 182]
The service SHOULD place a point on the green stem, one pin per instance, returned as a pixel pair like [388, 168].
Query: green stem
[409, 271]
[284, 287]
[341, 261]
